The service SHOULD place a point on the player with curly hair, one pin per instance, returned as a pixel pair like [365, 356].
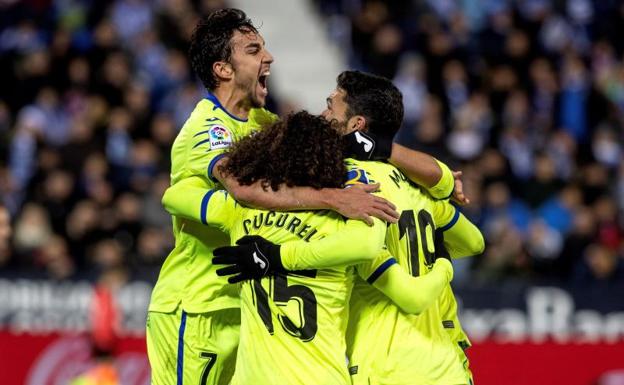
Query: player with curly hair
[293, 322]
[193, 316]
[387, 344]
[192, 329]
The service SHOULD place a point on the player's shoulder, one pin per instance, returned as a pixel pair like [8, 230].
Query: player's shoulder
[209, 124]
[205, 114]
[373, 171]
[369, 165]
[262, 117]
[357, 173]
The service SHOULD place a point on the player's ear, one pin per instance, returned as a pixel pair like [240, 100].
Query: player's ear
[223, 70]
[357, 123]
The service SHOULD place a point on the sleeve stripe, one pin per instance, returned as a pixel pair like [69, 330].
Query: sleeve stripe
[201, 142]
[448, 197]
[452, 222]
[380, 270]
[211, 166]
[204, 206]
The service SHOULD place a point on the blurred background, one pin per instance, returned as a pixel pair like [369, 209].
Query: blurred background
[525, 97]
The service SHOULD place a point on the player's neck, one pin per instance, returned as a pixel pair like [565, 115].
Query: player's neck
[233, 101]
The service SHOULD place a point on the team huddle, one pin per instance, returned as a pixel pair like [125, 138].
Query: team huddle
[309, 249]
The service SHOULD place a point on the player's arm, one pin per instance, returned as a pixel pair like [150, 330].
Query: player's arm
[425, 170]
[256, 257]
[355, 243]
[461, 237]
[411, 294]
[354, 203]
[192, 199]
[419, 167]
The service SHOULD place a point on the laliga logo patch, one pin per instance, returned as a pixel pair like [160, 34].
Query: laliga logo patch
[220, 137]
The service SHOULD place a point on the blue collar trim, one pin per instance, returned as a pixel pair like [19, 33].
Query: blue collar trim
[217, 104]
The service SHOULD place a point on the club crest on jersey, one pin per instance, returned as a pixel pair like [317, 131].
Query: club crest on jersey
[356, 176]
[220, 137]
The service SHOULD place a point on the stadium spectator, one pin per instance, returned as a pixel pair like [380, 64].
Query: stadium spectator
[5, 236]
[530, 93]
[525, 97]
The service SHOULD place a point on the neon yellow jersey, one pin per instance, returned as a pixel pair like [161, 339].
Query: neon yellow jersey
[386, 345]
[187, 276]
[450, 319]
[301, 316]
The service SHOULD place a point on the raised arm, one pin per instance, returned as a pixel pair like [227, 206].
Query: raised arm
[425, 170]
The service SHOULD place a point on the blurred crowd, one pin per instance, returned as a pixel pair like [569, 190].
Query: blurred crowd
[525, 97]
[93, 93]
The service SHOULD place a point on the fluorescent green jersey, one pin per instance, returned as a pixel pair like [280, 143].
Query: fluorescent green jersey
[386, 345]
[187, 276]
[342, 247]
[292, 326]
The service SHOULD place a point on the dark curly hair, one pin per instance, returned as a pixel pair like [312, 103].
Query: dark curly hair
[375, 98]
[211, 41]
[301, 150]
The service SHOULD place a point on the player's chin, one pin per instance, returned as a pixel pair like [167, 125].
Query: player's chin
[260, 95]
[259, 100]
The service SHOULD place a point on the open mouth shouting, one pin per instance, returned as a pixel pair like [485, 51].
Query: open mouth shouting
[262, 82]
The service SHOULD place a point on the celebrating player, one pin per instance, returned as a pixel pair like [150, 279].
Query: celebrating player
[192, 329]
[193, 319]
[293, 323]
[408, 349]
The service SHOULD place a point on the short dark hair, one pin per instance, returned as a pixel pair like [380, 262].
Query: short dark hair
[375, 98]
[211, 41]
[301, 150]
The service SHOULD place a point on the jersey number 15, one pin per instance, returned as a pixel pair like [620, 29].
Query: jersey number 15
[281, 294]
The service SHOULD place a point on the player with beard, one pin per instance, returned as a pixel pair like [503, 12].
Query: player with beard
[193, 316]
[192, 329]
[293, 323]
[386, 344]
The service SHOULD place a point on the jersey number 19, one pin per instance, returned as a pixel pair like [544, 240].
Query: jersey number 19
[407, 227]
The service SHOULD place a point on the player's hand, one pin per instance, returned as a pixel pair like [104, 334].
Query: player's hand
[458, 192]
[357, 202]
[254, 257]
